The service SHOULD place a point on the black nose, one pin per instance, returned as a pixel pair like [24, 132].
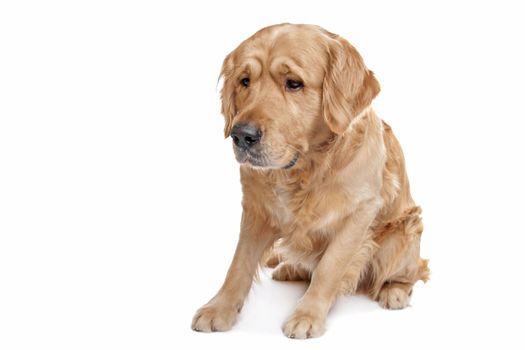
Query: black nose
[245, 135]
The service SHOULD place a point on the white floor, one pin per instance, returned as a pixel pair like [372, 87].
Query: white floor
[434, 320]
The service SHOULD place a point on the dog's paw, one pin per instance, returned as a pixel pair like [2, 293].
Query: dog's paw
[393, 297]
[287, 272]
[302, 325]
[273, 260]
[284, 273]
[214, 318]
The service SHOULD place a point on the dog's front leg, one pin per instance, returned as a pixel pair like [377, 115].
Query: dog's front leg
[344, 259]
[220, 312]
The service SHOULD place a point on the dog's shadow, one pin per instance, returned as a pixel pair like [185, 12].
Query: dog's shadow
[271, 302]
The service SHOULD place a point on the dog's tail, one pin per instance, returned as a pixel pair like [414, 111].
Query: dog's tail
[424, 271]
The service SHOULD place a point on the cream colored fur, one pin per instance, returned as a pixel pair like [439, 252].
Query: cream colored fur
[342, 216]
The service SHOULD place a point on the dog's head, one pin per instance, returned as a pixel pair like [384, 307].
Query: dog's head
[288, 88]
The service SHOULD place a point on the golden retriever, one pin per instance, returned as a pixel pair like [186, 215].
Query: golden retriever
[326, 198]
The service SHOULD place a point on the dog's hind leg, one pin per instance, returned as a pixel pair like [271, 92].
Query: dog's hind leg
[397, 266]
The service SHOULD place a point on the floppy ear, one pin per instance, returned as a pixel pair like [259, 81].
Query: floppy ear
[228, 94]
[348, 87]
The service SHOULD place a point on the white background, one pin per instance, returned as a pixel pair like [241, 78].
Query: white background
[120, 199]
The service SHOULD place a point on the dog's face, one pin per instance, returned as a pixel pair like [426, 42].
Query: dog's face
[287, 89]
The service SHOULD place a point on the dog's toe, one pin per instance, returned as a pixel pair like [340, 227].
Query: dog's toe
[394, 297]
[303, 325]
[213, 319]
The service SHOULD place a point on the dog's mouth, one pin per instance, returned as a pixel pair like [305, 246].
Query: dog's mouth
[292, 162]
[256, 160]
[262, 161]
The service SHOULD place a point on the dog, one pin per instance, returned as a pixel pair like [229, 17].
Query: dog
[326, 197]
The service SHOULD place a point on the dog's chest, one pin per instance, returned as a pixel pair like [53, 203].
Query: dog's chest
[308, 209]
[282, 212]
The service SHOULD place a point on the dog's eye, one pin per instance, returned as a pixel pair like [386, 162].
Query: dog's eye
[245, 82]
[293, 85]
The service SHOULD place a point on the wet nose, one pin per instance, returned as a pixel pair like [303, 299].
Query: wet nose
[245, 136]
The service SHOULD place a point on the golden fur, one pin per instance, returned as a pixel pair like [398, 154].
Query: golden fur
[328, 200]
